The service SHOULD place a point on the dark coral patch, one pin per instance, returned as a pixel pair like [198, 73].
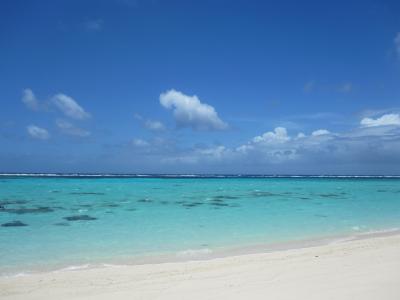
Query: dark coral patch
[23, 210]
[219, 204]
[11, 202]
[225, 197]
[329, 195]
[80, 218]
[111, 205]
[14, 224]
[320, 216]
[62, 224]
[145, 200]
[193, 204]
[217, 200]
[86, 193]
[264, 194]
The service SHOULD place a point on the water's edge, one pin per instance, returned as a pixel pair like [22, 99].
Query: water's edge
[210, 254]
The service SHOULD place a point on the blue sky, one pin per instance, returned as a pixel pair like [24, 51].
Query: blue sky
[272, 87]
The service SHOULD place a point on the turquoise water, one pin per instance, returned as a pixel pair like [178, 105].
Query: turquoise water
[75, 221]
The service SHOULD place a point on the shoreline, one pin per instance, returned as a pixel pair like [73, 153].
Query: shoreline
[366, 268]
[205, 254]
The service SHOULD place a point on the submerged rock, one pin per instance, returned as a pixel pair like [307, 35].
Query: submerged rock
[264, 194]
[24, 210]
[80, 218]
[14, 224]
[219, 204]
[86, 193]
[194, 204]
[62, 224]
[145, 200]
[10, 202]
[331, 195]
[111, 205]
[225, 197]
[320, 216]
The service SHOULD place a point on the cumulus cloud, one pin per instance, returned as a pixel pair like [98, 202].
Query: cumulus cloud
[69, 107]
[70, 129]
[300, 135]
[190, 112]
[384, 120]
[140, 143]
[149, 124]
[38, 132]
[320, 148]
[365, 150]
[320, 132]
[279, 135]
[29, 99]
[154, 125]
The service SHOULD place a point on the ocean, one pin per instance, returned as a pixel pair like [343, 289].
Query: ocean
[50, 222]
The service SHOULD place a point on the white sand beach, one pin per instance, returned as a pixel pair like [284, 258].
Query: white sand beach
[359, 269]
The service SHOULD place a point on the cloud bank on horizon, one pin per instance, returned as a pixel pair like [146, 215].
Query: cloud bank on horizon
[375, 139]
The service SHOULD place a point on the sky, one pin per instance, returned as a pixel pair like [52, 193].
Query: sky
[217, 87]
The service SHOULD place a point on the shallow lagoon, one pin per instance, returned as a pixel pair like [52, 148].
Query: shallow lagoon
[93, 220]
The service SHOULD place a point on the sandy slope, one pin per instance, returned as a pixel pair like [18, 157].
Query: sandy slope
[361, 269]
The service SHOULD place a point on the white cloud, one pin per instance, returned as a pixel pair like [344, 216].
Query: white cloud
[320, 132]
[279, 135]
[70, 129]
[189, 111]
[277, 147]
[29, 99]
[387, 119]
[300, 135]
[150, 124]
[215, 152]
[397, 44]
[69, 107]
[38, 133]
[198, 155]
[154, 125]
[140, 143]
[361, 150]
[94, 25]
